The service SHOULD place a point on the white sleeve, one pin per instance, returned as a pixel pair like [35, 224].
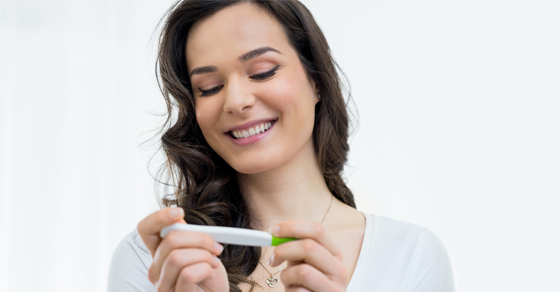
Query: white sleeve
[129, 266]
[434, 271]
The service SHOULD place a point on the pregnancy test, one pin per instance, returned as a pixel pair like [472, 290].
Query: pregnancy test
[231, 235]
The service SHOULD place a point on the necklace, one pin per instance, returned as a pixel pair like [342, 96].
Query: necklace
[272, 281]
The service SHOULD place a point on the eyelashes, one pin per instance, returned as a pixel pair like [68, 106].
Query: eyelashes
[266, 75]
[257, 77]
[210, 91]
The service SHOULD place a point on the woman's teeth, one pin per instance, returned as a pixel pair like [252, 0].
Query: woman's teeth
[251, 131]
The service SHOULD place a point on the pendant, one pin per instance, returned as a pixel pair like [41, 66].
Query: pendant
[272, 282]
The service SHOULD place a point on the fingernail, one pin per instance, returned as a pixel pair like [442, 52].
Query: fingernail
[176, 212]
[217, 259]
[271, 260]
[274, 229]
[219, 247]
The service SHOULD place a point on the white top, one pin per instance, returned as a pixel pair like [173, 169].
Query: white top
[395, 256]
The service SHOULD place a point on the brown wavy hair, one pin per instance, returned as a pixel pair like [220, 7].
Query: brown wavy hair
[203, 184]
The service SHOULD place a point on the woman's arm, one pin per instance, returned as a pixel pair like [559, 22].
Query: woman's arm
[434, 271]
[129, 266]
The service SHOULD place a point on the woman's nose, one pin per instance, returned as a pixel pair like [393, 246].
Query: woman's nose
[238, 98]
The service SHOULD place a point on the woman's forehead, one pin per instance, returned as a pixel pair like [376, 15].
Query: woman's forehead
[232, 32]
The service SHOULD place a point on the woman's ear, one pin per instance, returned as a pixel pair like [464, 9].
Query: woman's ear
[314, 84]
[316, 90]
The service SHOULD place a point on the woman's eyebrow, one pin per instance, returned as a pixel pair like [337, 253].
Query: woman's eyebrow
[243, 58]
[256, 52]
[202, 70]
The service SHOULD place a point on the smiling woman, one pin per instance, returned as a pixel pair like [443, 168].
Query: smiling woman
[266, 84]
[260, 142]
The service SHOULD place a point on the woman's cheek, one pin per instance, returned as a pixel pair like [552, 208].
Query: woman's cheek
[280, 93]
[207, 114]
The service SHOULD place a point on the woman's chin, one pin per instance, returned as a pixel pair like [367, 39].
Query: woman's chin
[253, 167]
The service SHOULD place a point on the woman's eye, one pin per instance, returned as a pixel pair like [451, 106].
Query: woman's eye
[265, 75]
[262, 76]
[210, 91]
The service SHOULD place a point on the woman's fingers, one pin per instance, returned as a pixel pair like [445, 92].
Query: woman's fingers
[180, 240]
[304, 229]
[304, 277]
[180, 259]
[308, 251]
[314, 262]
[150, 227]
[190, 276]
[296, 289]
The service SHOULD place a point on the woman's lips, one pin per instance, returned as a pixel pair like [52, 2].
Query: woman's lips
[247, 125]
[251, 135]
[251, 131]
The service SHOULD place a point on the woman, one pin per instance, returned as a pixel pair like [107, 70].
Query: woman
[260, 142]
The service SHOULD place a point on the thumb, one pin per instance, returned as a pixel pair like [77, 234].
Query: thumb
[150, 227]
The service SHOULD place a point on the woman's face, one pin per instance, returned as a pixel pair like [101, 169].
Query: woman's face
[254, 102]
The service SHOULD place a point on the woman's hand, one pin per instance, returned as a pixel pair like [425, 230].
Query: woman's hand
[314, 262]
[183, 260]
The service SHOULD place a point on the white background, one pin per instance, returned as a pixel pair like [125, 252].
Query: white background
[459, 131]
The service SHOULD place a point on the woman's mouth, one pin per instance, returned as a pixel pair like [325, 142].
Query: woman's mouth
[251, 131]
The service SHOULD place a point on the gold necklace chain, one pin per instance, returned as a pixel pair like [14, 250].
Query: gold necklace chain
[273, 281]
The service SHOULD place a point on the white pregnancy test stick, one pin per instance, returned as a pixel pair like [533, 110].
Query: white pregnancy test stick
[231, 235]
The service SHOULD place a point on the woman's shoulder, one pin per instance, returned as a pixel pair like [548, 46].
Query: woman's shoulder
[129, 265]
[402, 255]
[132, 246]
[401, 237]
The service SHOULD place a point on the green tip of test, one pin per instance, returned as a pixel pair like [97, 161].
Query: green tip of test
[278, 240]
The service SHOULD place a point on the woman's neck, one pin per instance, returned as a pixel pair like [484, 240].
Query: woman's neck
[295, 190]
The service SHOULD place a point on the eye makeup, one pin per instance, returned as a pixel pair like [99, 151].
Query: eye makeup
[266, 75]
[210, 91]
[258, 77]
